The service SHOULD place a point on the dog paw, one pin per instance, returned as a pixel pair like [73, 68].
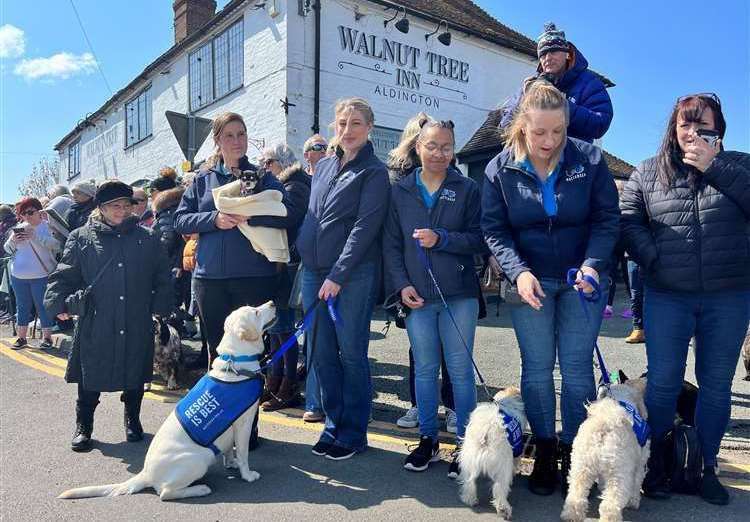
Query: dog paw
[574, 512]
[469, 500]
[172, 384]
[251, 476]
[505, 511]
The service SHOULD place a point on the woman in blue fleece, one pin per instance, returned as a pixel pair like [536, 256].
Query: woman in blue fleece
[549, 204]
[339, 243]
[434, 218]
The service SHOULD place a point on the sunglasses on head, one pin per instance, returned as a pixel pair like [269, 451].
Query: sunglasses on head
[709, 95]
[317, 147]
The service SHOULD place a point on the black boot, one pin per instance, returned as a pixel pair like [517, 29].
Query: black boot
[564, 450]
[712, 491]
[133, 428]
[84, 426]
[254, 439]
[656, 483]
[544, 475]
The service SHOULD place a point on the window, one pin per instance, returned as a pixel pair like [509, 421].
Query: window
[138, 120]
[74, 159]
[217, 67]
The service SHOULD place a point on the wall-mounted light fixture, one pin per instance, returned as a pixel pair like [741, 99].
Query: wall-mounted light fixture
[358, 15]
[402, 25]
[444, 37]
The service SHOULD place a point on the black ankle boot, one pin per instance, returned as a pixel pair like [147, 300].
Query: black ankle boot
[712, 491]
[564, 450]
[544, 476]
[84, 427]
[656, 483]
[132, 421]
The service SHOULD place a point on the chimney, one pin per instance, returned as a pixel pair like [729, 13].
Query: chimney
[191, 15]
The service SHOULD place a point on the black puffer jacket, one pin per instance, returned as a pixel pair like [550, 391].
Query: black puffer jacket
[691, 239]
[115, 348]
[79, 213]
[165, 205]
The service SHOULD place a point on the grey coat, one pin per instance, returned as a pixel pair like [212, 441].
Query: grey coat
[114, 348]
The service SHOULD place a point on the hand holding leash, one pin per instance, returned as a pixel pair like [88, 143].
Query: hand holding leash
[411, 298]
[426, 237]
[329, 290]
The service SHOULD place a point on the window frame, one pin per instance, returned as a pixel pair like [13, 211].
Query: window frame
[227, 67]
[76, 171]
[148, 116]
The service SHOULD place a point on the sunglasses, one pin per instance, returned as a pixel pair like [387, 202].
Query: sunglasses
[709, 95]
[30, 212]
[137, 200]
[318, 147]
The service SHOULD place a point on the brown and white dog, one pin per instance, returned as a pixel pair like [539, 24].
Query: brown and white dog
[174, 461]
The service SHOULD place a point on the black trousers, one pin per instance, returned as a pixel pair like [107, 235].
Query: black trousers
[87, 399]
[217, 298]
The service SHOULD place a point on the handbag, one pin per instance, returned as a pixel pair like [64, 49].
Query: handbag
[78, 303]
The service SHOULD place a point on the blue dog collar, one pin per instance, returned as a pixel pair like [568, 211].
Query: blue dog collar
[239, 358]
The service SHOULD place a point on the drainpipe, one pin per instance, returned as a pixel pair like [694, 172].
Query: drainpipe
[316, 102]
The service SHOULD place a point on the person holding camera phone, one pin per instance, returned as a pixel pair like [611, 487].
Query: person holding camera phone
[686, 214]
[549, 204]
[33, 248]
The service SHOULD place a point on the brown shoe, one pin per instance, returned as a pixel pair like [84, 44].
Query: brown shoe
[637, 336]
[271, 389]
[286, 397]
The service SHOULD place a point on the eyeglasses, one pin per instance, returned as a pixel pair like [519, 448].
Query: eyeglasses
[710, 95]
[29, 212]
[268, 162]
[317, 147]
[432, 148]
[138, 200]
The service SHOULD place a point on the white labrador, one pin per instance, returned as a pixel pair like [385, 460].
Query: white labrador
[174, 461]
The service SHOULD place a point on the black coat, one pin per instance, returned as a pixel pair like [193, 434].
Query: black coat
[692, 237]
[79, 213]
[165, 205]
[115, 346]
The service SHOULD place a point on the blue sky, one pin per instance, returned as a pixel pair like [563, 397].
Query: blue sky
[654, 51]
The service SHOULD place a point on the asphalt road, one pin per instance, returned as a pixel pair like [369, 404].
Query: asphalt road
[37, 422]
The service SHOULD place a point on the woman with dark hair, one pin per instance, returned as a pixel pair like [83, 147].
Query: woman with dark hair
[685, 219]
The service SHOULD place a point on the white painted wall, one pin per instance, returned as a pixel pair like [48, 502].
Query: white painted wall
[279, 62]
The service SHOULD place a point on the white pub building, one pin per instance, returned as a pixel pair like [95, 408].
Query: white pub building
[283, 64]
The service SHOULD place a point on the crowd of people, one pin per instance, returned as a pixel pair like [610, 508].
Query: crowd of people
[410, 232]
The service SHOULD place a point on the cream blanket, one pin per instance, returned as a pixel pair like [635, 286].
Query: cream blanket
[269, 242]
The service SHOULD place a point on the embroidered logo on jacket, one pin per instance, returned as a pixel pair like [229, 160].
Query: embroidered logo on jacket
[577, 172]
[448, 195]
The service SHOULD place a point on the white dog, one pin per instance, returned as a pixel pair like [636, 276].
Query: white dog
[607, 451]
[487, 450]
[174, 461]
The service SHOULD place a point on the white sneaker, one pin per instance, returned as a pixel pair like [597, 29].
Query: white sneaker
[451, 421]
[410, 418]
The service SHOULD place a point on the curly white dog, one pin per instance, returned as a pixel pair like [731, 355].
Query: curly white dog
[495, 430]
[607, 451]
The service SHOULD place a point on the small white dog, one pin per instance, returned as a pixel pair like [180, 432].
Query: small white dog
[606, 450]
[487, 449]
[174, 461]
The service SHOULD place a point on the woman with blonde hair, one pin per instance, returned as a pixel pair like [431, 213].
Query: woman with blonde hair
[228, 272]
[404, 159]
[549, 204]
[339, 243]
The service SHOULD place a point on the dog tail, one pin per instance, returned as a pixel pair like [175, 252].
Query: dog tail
[134, 485]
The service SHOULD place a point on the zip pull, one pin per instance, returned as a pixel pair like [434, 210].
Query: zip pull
[549, 226]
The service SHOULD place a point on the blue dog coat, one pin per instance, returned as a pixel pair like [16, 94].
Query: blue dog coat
[212, 406]
[640, 426]
[514, 432]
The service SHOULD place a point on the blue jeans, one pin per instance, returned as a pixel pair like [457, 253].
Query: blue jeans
[429, 327]
[719, 323]
[636, 294]
[339, 354]
[29, 295]
[560, 329]
[313, 402]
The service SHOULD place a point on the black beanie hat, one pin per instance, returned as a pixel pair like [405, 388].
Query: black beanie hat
[112, 190]
[162, 183]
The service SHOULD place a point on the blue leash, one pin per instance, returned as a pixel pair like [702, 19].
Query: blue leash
[593, 297]
[301, 327]
[428, 266]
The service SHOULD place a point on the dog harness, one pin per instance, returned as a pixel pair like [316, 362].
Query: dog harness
[640, 426]
[513, 432]
[212, 406]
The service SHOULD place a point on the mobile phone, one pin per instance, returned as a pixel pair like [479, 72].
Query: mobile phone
[709, 136]
[19, 230]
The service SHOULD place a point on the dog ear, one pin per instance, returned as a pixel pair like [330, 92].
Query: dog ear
[623, 377]
[248, 332]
